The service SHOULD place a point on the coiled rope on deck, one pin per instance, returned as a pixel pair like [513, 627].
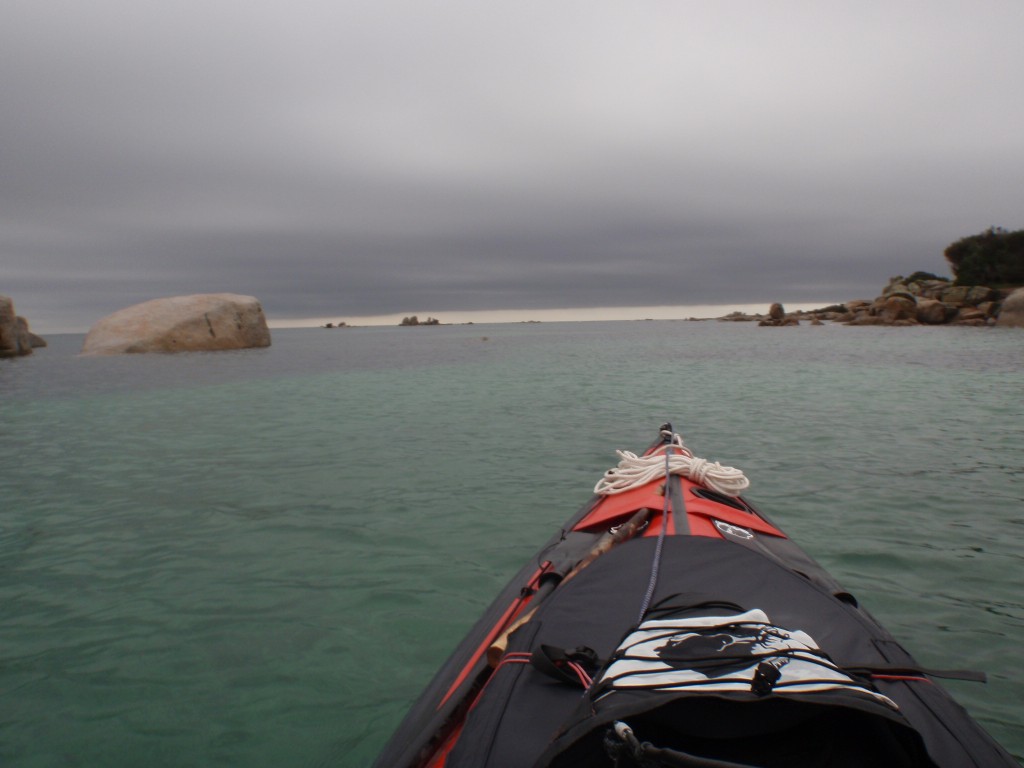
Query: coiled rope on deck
[634, 471]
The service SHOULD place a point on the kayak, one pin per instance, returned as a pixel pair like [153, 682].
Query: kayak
[671, 623]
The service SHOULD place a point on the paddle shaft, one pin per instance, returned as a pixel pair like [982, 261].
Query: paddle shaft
[608, 540]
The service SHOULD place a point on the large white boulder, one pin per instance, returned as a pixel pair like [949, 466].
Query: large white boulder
[205, 321]
[1012, 313]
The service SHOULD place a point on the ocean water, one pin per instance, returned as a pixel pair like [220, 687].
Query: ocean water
[258, 558]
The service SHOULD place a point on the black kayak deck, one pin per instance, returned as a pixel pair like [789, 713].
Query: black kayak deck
[523, 712]
[519, 713]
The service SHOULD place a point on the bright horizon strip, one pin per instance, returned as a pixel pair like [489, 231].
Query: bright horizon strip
[483, 316]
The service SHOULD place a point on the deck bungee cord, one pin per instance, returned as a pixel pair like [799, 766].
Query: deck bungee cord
[635, 471]
[671, 439]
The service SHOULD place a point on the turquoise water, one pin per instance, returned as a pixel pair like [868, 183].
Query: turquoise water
[259, 558]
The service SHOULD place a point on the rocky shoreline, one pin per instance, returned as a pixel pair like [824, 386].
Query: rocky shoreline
[907, 302]
[917, 300]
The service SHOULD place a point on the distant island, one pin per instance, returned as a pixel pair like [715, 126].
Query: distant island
[416, 321]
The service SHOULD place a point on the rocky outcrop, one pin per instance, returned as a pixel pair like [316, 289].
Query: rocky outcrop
[737, 317]
[922, 302]
[16, 340]
[777, 317]
[1012, 313]
[201, 322]
[416, 321]
[930, 301]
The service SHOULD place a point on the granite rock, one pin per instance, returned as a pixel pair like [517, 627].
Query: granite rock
[1011, 315]
[200, 322]
[16, 340]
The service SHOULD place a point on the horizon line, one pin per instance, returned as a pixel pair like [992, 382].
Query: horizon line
[553, 314]
[504, 316]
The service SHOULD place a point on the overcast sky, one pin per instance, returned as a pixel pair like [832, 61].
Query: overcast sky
[344, 158]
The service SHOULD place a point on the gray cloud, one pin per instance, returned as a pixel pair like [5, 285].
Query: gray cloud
[346, 159]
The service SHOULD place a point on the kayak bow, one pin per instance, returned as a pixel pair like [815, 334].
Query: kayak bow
[671, 623]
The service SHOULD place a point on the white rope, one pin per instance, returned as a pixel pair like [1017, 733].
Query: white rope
[634, 471]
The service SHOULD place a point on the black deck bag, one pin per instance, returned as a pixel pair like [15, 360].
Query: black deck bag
[710, 683]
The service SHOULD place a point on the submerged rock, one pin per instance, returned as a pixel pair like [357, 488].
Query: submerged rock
[207, 321]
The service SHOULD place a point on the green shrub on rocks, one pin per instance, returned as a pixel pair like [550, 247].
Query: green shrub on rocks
[994, 257]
